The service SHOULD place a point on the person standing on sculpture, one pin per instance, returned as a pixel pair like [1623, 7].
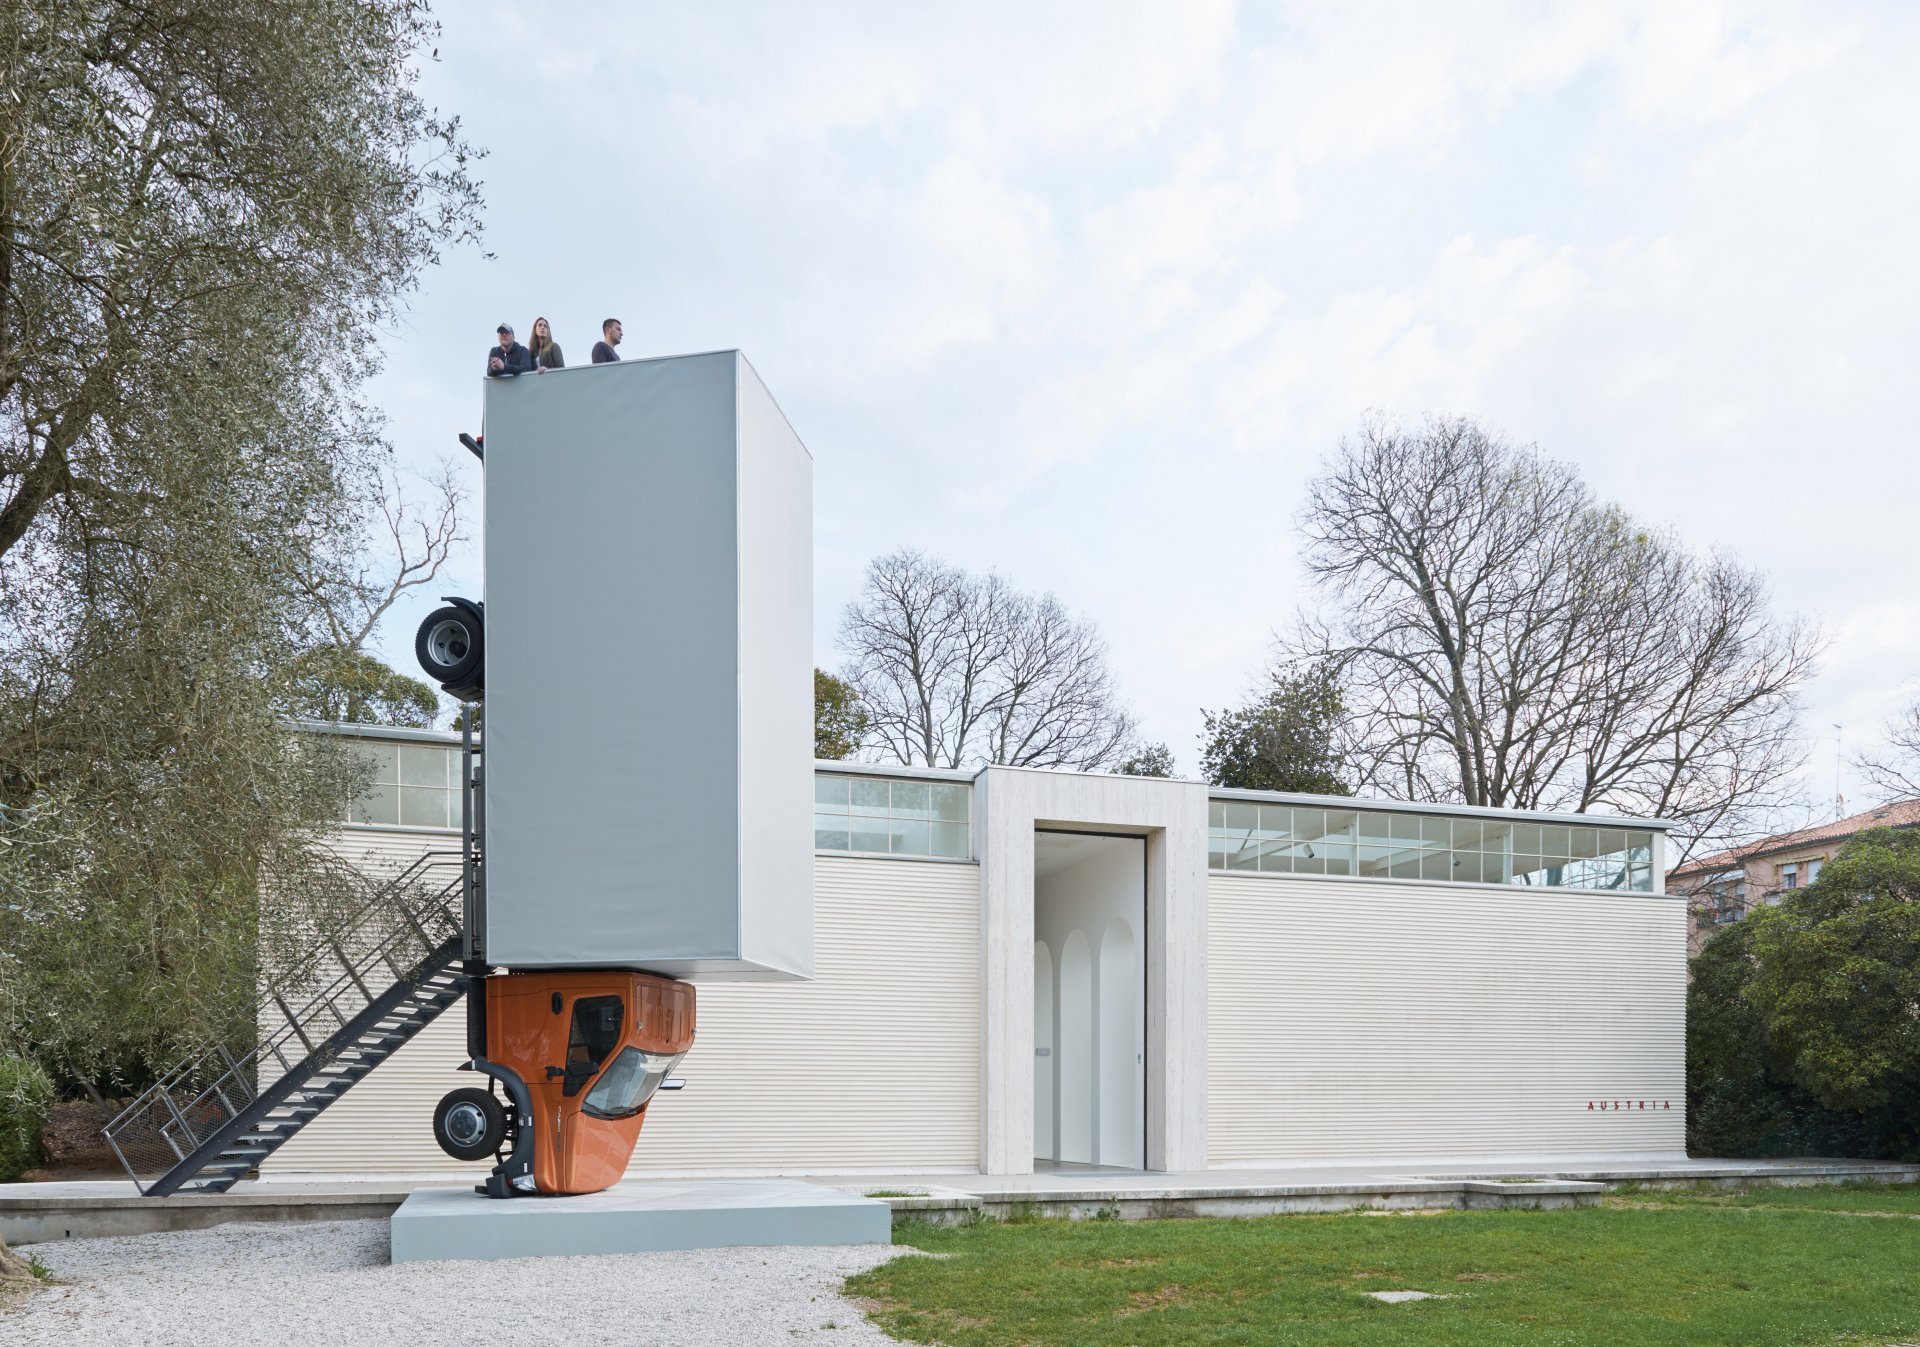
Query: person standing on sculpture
[603, 351]
[543, 348]
[508, 357]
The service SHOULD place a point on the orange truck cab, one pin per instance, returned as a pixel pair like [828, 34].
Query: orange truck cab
[579, 1056]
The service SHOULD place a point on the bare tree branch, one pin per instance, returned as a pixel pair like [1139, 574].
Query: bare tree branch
[405, 544]
[956, 669]
[1506, 639]
[1893, 769]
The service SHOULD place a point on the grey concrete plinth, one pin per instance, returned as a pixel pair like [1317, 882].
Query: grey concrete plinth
[635, 1217]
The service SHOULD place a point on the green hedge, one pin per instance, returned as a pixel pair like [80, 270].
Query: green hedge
[25, 1093]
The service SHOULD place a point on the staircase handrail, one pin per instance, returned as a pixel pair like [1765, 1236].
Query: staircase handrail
[383, 896]
[238, 1074]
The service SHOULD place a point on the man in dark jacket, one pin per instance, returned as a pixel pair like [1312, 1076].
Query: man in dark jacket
[610, 333]
[509, 357]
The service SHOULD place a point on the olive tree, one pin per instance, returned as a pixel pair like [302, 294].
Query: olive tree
[1504, 637]
[207, 212]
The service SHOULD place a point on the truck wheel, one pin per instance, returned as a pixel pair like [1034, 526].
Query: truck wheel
[450, 646]
[469, 1124]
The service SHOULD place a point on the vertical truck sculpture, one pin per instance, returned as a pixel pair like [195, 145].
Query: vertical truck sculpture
[640, 815]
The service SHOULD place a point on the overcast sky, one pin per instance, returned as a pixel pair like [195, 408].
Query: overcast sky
[1085, 293]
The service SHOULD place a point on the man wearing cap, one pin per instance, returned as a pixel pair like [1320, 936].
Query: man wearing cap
[509, 357]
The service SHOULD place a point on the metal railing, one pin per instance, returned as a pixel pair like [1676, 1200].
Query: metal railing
[382, 943]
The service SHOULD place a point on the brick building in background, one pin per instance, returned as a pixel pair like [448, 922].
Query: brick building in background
[1724, 887]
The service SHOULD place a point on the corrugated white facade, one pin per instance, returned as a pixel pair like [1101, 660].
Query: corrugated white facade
[1287, 1017]
[872, 1065]
[1376, 1018]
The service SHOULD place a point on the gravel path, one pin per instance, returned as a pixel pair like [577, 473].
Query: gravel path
[330, 1282]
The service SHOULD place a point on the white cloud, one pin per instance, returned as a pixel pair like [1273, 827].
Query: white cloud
[1085, 290]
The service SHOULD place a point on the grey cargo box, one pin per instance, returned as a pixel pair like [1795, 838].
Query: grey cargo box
[649, 703]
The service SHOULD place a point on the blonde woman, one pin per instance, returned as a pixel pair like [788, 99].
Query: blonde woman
[546, 351]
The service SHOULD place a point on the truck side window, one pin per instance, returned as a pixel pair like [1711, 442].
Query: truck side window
[596, 1029]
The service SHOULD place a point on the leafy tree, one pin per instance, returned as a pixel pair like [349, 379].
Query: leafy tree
[1504, 637]
[1148, 760]
[1283, 740]
[1838, 978]
[328, 683]
[1739, 1101]
[839, 720]
[956, 669]
[206, 214]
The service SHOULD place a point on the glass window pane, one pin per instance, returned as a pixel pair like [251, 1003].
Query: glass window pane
[1526, 838]
[1309, 824]
[1241, 816]
[950, 839]
[595, 1030]
[1640, 846]
[830, 792]
[1493, 867]
[1406, 865]
[1437, 865]
[376, 804]
[912, 837]
[1466, 867]
[1612, 840]
[1373, 829]
[1216, 814]
[1309, 865]
[868, 834]
[1242, 856]
[1276, 820]
[1373, 861]
[829, 832]
[423, 807]
[1435, 832]
[423, 766]
[1277, 860]
[912, 799]
[1553, 839]
[1405, 827]
[950, 803]
[1339, 858]
[1583, 843]
[383, 757]
[869, 797]
[1643, 878]
[1216, 852]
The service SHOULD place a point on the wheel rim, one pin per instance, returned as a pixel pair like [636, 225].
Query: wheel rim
[465, 1124]
[448, 642]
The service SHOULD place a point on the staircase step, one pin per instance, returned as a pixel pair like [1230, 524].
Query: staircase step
[338, 1058]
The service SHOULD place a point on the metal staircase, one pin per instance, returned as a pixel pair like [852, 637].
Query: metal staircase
[385, 973]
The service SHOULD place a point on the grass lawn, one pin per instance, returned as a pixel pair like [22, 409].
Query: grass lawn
[1777, 1265]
